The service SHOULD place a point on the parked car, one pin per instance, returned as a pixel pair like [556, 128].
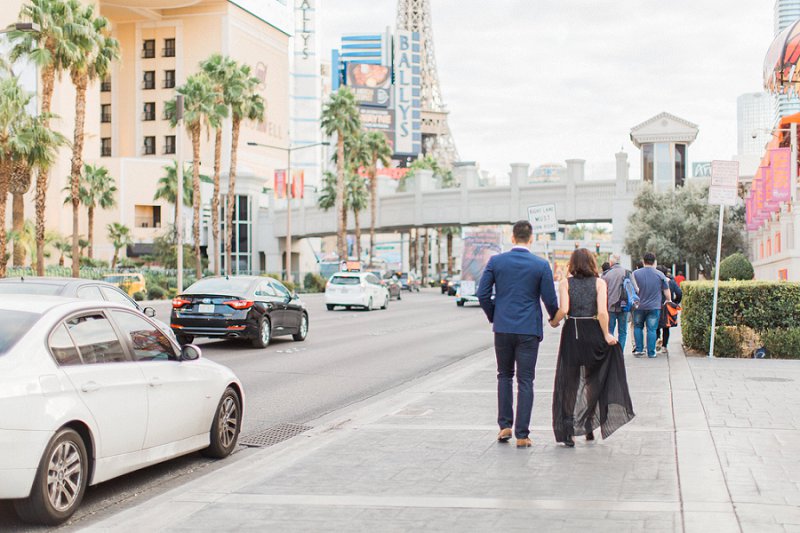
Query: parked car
[392, 284]
[85, 289]
[130, 282]
[238, 307]
[355, 289]
[409, 281]
[93, 390]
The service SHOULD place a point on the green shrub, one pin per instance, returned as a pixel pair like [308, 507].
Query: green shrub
[725, 342]
[314, 283]
[735, 266]
[760, 305]
[155, 292]
[289, 285]
[172, 292]
[139, 296]
[782, 343]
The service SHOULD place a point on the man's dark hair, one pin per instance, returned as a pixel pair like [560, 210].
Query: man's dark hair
[605, 266]
[522, 231]
[649, 258]
[639, 264]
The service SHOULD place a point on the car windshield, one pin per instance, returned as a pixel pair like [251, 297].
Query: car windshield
[345, 280]
[227, 287]
[118, 279]
[13, 326]
[27, 287]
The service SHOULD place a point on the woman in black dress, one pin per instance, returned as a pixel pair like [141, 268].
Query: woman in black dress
[591, 389]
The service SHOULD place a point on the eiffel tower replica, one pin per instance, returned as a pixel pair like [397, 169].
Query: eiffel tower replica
[415, 15]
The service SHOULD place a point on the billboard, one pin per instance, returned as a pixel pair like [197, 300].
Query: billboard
[479, 245]
[407, 84]
[371, 84]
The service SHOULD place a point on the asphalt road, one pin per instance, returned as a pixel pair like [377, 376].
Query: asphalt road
[348, 357]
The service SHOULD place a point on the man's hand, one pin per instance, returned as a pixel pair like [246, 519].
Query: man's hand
[554, 323]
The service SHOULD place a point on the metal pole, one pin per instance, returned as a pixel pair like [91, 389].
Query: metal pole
[179, 191]
[289, 191]
[716, 283]
[793, 174]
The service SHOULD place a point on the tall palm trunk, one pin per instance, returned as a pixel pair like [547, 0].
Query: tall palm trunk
[17, 222]
[425, 256]
[80, 80]
[5, 176]
[48, 81]
[373, 208]
[450, 254]
[198, 264]
[215, 201]
[439, 251]
[412, 249]
[90, 231]
[358, 234]
[114, 259]
[341, 205]
[231, 199]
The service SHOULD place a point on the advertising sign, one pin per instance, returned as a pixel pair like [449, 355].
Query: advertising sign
[724, 183]
[279, 187]
[781, 164]
[479, 246]
[701, 169]
[298, 183]
[369, 83]
[543, 218]
[407, 83]
[722, 196]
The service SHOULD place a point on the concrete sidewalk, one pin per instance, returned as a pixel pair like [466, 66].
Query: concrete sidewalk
[715, 446]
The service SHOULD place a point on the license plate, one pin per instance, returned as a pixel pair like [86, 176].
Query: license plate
[205, 308]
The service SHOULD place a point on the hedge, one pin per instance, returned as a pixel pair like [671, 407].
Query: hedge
[782, 343]
[763, 306]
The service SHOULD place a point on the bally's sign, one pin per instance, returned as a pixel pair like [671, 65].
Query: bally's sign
[407, 93]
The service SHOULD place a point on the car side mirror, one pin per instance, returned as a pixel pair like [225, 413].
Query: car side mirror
[190, 352]
[149, 312]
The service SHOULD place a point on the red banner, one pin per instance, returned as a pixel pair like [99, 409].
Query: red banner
[781, 165]
[298, 183]
[280, 184]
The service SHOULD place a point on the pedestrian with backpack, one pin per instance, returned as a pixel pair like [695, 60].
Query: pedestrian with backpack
[623, 296]
[669, 312]
[652, 285]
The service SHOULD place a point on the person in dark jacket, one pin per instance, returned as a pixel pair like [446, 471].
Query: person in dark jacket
[519, 281]
[663, 328]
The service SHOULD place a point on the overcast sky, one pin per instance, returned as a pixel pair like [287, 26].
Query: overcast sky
[548, 80]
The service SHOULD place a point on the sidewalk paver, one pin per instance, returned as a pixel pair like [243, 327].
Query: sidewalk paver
[714, 446]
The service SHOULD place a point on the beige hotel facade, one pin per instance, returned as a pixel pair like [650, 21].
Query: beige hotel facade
[162, 42]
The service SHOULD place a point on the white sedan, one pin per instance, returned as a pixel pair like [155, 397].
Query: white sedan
[93, 390]
[356, 289]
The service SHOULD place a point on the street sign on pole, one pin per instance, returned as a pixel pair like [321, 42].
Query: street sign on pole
[724, 186]
[543, 218]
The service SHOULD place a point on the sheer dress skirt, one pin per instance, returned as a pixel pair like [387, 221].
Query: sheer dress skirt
[591, 388]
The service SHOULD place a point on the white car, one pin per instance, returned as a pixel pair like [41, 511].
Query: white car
[93, 390]
[356, 289]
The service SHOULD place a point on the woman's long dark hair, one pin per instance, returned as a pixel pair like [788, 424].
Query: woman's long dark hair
[582, 264]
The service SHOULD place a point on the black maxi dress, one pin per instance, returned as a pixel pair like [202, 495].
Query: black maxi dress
[591, 389]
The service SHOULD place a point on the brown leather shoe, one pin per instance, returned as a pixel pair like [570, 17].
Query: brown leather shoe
[523, 443]
[504, 435]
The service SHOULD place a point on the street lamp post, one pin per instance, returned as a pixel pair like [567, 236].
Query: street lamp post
[179, 190]
[289, 189]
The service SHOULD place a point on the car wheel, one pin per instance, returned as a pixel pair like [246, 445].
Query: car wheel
[184, 339]
[301, 334]
[226, 425]
[369, 305]
[264, 335]
[460, 303]
[385, 302]
[330, 307]
[60, 481]
[399, 295]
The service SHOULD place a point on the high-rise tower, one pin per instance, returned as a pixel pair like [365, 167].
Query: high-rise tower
[415, 15]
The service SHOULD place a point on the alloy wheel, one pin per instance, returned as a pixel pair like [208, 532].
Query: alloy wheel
[304, 326]
[64, 476]
[228, 421]
[265, 333]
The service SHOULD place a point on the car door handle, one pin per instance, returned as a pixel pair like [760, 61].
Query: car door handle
[90, 386]
[155, 382]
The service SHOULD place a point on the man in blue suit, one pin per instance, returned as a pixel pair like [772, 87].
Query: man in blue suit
[520, 280]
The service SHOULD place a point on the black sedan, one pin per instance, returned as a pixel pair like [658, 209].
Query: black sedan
[238, 307]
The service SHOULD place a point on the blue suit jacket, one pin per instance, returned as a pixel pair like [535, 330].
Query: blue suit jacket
[520, 279]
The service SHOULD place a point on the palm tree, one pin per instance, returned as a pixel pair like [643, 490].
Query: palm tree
[64, 246]
[221, 71]
[168, 189]
[379, 150]
[96, 190]
[245, 105]
[327, 194]
[120, 237]
[340, 116]
[97, 51]
[200, 109]
[52, 50]
[449, 231]
[357, 199]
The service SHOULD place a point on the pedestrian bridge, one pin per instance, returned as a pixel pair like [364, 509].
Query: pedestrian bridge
[426, 205]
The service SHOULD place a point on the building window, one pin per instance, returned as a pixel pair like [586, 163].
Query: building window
[761, 251]
[105, 113]
[169, 79]
[147, 216]
[105, 85]
[105, 147]
[169, 48]
[149, 48]
[680, 164]
[149, 147]
[664, 180]
[241, 256]
[648, 163]
[149, 80]
[149, 111]
[169, 144]
[778, 242]
[769, 247]
[783, 274]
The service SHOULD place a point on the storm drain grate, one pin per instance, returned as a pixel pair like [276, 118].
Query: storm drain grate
[769, 379]
[273, 435]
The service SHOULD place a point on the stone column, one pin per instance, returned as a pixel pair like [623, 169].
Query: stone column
[518, 176]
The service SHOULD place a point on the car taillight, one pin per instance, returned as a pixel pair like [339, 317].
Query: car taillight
[239, 304]
[177, 303]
